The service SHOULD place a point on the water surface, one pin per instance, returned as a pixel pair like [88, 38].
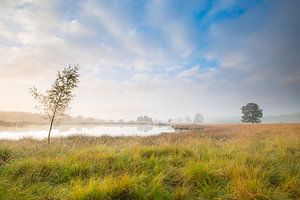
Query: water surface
[41, 132]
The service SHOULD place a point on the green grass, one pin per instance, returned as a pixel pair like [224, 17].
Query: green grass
[221, 162]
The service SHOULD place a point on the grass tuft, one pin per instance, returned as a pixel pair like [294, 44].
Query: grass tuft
[5, 155]
[121, 188]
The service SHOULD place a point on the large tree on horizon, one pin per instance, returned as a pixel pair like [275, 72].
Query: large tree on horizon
[55, 102]
[251, 113]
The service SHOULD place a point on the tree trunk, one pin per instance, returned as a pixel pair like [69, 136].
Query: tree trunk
[51, 124]
[52, 120]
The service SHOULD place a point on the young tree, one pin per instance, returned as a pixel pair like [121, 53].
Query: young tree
[55, 103]
[251, 113]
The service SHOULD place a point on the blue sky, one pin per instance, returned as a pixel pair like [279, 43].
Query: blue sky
[158, 57]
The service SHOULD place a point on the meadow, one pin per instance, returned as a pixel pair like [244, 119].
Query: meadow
[260, 161]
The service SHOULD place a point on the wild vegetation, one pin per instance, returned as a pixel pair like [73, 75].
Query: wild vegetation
[219, 162]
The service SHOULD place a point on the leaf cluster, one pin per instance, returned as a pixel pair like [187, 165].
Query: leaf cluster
[55, 102]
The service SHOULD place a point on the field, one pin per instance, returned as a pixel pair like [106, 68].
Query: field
[219, 162]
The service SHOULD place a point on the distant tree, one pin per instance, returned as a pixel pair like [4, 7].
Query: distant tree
[148, 119]
[169, 121]
[140, 119]
[55, 103]
[251, 113]
[144, 119]
[198, 118]
[188, 119]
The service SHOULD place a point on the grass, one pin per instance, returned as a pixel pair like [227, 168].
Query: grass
[221, 162]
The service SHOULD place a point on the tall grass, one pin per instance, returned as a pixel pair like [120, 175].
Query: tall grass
[221, 162]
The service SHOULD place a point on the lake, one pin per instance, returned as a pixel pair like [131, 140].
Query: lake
[41, 132]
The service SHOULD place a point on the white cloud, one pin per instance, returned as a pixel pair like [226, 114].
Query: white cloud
[191, 73]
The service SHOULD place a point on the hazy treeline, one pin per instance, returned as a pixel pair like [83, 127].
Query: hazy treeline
[27, 118]
[12, 119]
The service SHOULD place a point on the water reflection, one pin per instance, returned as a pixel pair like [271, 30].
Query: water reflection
[144, 128]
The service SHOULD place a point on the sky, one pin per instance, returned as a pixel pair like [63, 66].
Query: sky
[163, 58]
